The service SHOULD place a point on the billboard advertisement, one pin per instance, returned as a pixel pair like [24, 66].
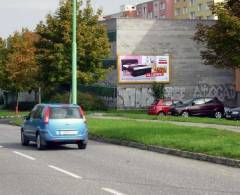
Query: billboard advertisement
[143, 69]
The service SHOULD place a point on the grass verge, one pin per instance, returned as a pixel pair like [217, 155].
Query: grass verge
[193, 139]
[143, 115]
[11, 113]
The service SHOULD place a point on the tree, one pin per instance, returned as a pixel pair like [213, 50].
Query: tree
[54, 47]
[3, 56]
[21, 68]
[158, 90]
[222, 40]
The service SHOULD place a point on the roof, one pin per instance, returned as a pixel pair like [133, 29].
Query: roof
[59, 105]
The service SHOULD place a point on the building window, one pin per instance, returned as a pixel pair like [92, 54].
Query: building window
[192, 2]
[200, 6]
[112, 36]
[209, 4]
[177, 1]
[177, 12]
[209, 17]
[162, 6]
[192, 15]
[150, 15]
[185, 10]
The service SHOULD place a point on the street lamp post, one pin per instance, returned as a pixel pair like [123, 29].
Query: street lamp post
[74, 52]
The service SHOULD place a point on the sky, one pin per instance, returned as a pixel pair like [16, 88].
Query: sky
[16, 14]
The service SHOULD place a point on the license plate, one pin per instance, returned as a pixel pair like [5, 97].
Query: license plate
[68, 132]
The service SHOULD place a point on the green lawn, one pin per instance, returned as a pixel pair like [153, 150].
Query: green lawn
[11, 113]
[143, 115]
[193, 139]
[202, 140]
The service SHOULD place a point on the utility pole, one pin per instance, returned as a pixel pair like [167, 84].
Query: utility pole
[74, 51]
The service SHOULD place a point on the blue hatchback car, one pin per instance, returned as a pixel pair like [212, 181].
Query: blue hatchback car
[55, 124]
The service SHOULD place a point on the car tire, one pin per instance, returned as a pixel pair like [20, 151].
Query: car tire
[161, 114]
[185, 114]
[82, 145]
[24, 140]
[39, 142]
[218, 115]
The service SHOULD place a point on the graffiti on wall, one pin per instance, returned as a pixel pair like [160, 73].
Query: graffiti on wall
[222, 91]
[142, 97]
[134, 97]
[177, 93]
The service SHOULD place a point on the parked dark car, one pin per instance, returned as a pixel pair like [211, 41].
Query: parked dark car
[200, 107]
[162, 106]
[233, 113]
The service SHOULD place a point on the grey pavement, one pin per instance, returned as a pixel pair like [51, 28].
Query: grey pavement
[105, 169]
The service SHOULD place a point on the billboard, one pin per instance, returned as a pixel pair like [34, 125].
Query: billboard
[143, 69]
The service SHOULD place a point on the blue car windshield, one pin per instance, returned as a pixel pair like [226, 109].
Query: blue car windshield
[65, 112]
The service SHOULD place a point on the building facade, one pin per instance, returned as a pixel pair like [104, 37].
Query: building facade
[169, 9]
[158, 9]
[189, 76]
[194, 9]
[126, 11]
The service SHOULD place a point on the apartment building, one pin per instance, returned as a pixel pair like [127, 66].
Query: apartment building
[158, 9]
[194, 9]
[126, 11]
[169, 9]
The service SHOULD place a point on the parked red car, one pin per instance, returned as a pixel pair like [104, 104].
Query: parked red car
[162, 106]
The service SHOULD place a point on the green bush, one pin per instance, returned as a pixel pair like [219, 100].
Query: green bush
[91, 102]
[87, 101]
[60, 98]
[22, 106]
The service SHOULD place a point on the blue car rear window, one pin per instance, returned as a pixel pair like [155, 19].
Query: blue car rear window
[63, 113]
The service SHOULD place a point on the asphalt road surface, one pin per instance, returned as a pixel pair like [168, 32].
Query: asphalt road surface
[105, 169]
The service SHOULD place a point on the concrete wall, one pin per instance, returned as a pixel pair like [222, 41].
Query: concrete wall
[189, 76]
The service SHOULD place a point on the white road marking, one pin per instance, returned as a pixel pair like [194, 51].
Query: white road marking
[64, 171]
[111, 191]
[24, 155]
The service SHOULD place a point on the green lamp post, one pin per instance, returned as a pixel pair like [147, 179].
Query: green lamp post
[74, 52]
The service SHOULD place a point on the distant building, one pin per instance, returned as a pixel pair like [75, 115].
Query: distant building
[194, 9]
[189, 77]
[168, 9]
[159, 9]
[127, 11]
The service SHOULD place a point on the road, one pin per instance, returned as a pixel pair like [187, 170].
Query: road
[105, 169]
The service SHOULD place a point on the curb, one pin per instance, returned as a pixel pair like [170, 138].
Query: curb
[191, 155]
